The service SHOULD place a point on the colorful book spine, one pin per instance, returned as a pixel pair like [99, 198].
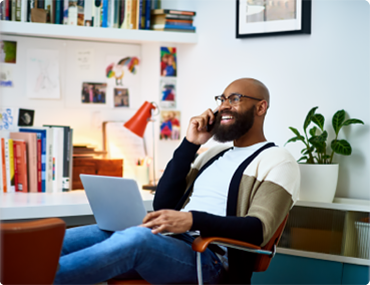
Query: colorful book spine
[15, 165]
[21, 163]
[88, 7]
[41, 135]
[104, 22]
[147, 14]
[65, 7]
[39, 166]
[3, 165]
[58, 12]
[18, 10]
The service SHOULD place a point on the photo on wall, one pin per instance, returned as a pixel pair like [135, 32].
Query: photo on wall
[167, 93]
[168, 61]
[170, 125]
[8, 51]
[121, 97]
[93, 93]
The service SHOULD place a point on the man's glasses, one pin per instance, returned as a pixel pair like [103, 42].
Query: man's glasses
[234, 99]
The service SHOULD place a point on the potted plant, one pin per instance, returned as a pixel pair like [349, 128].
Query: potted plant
[319, 175]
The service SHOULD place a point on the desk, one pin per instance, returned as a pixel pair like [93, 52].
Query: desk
[73, 207]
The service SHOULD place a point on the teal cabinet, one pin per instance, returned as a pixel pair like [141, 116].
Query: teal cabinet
[355, 274]
[289, 269]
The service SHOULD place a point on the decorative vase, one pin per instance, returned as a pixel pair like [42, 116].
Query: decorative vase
[318, 182]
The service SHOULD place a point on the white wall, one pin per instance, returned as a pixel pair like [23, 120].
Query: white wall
[329, 69]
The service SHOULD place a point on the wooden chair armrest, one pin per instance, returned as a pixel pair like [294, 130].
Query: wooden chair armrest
[200, 244]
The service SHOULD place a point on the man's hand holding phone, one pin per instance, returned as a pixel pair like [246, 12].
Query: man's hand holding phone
[198, 132]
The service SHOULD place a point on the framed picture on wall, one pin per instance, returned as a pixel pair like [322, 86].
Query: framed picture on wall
[256, 18]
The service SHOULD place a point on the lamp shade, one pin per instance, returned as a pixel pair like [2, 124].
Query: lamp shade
[138, 122]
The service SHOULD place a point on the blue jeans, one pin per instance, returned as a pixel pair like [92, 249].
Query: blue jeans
[90, 255]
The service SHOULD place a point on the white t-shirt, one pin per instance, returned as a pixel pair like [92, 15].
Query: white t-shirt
[211, 188]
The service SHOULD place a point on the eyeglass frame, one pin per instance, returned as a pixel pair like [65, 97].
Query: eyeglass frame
[235, 94]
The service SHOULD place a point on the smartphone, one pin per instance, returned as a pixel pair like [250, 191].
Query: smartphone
[210, 127]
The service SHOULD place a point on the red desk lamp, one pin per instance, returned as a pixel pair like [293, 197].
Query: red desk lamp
[137, 124]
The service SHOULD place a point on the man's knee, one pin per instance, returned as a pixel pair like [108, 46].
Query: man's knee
[137, 236]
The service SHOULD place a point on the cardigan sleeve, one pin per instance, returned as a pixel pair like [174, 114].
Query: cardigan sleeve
[172, 185]
[248, 229]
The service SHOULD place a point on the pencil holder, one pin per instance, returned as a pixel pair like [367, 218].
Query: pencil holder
[142, 175]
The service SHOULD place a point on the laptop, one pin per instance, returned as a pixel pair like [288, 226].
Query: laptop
[115, 202]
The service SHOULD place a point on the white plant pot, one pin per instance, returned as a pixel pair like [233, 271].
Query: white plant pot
[318, 182]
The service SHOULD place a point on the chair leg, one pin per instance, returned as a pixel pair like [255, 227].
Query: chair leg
[199, 269]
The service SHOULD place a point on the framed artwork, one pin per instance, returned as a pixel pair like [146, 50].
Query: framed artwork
[256, 18]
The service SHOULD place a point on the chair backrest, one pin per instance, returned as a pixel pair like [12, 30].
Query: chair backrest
[262, 260]
[30, 251]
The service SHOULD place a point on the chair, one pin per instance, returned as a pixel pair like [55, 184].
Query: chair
[266, 253]
[30, 251]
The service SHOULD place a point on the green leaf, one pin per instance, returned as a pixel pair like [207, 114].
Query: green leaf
[337, 120]
[308, 119]
[303, 158]
[313, 131]
[295, 131]
[341, 147]
[352, 121]
[319, 120]
[300, 138]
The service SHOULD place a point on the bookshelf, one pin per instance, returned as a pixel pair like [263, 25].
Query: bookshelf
[94, 34]
[327, 231]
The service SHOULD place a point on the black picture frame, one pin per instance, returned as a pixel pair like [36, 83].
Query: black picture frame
[305, 23]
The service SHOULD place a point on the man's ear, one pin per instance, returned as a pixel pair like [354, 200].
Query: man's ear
[261, 108]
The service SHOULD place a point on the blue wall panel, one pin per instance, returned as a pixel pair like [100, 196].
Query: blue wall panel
[289, 269]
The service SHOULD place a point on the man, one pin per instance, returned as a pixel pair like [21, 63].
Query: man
[227, 193]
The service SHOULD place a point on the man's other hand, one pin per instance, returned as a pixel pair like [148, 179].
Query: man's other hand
[168, 221]
[197, 129]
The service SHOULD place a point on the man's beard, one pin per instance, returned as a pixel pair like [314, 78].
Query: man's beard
[242, 124]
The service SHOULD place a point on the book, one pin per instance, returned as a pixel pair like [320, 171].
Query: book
[39, 167]
[3, 166]
[57, 160]
[81, 12]
[24, 10]
[104, 22]
[116, 13]
[88, 6]
[147, 14]
[31, 146]
[13, 10]
[67, 154]
[110, 13]
[126, 24]
[15, 166]
[20, 155]
[9, 165]
[43, 158]
[175, 12]
[65, 7]
[72, 13]
[167, 27]
[122, 13]
[18, 10]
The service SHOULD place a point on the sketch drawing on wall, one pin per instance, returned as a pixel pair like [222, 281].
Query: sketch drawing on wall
[43, 74]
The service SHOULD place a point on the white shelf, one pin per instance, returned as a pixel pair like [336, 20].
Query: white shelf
[94, 34]
[323, 256]
[341, 204]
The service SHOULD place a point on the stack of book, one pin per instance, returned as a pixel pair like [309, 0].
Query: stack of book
[172, 20]
[124, 14]
[36, 159]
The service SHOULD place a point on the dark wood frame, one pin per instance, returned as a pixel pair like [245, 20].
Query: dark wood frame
[305, 27]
